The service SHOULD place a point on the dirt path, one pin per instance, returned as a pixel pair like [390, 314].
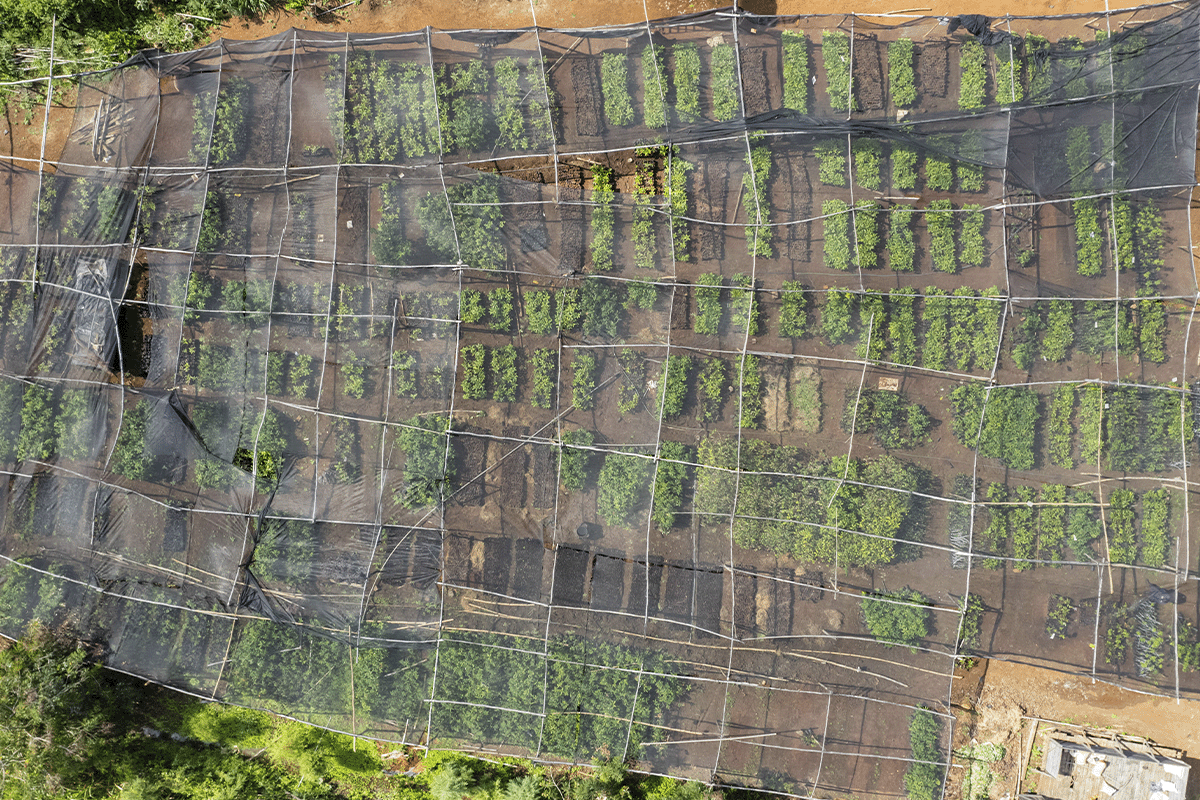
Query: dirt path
[403, 15]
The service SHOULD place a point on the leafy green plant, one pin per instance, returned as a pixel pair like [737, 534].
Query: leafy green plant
[872, 319]
[474, 380]
[686, 80]
[970, 235]
[724, 83]
[645, 241]
[500, 309]
[969, 628]
[506, 105]
[37, 439]
[471, 308]
[1008, 426]
[1058, 616]
[795, 71]
[835, 51]
[901, 246]
[902, 325]
[569, 304]
[583, 380]
[1009, 89]
[743, 304]
[128, 457]
[711, 387]
[897, 618]
[900, 73]
[923, 779]
[427, 471]
[539, 311]
[973, 89]
[835, 219]
[674, 385]
[404, 367]
[1089, 239]
[939, 175]
[1155, 540]
[708, 304]
[836, 317]
[622, 487]
[892, 420]
[1052, 517]
[904, 167]
[939, 219]
[866, 234]
[669, 477]
[868, 158]
[757, 202]
[574, 458]
[831, 154]
[654, 87]
[504, 373]
[354, 376]
[677, 203]
[614, 84]
[545, 364]
[751, 387]
[970, 174]
[1058, 426]
[793, 310]
[603, 186]
[603, 309]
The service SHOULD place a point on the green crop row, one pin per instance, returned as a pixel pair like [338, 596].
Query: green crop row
[795, 71]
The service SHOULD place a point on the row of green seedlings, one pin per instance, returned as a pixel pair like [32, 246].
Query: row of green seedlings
[870, 520]
[779, 513]
[1025, 68]
[96, 211]
[1041, 527]
[385, 111]
[466, 229]
[677, 88]
[949, 162]
[19, 299]
[485, 691]
[44, 422]
[1134, 629]
[836, 56]
[683, 94]
[674, 191]
[221, 124]
[1136, 225]
[942, 331]
[1010, 74]
[1117, 427]
[1051, 330]
[712, 382]
[249, 303]
[852, 235]
[645, 210]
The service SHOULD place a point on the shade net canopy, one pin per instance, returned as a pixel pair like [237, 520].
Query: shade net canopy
[699, 393]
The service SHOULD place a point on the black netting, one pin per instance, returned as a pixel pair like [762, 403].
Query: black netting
[651, 392]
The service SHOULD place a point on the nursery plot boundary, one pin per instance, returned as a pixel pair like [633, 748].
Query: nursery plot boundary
[734, 424]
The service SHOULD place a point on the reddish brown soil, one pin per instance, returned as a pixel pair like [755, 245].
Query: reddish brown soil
[1011, 693]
